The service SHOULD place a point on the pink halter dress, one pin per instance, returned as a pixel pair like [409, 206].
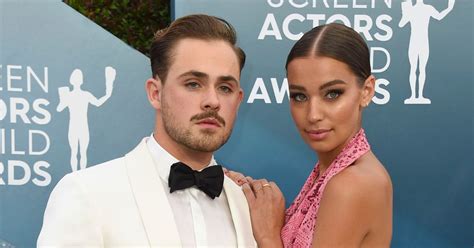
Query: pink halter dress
[302, 215]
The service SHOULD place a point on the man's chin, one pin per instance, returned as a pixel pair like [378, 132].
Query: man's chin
[210, 145]
[209, 131]
[205, 148]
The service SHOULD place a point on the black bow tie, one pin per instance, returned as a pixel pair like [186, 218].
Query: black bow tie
[209, 180]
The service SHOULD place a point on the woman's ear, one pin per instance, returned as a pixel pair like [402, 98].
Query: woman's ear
[153, 87]
[368, 91]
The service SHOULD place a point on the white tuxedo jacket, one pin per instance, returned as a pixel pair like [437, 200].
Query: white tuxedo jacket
[122, 203]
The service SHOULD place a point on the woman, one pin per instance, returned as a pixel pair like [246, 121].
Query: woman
[347, 199]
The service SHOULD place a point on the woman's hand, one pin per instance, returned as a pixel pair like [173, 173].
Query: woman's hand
[237, 177]
[267, 211]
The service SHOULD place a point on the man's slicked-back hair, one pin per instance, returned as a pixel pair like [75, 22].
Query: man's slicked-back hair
[202, 27]
[335, 41]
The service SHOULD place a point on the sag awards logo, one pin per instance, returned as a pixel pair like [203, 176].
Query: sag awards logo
[77, 101]
[27, 110]
[419, 16]
[378, 27]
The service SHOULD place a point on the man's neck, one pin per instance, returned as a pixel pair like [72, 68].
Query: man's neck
[197, 160]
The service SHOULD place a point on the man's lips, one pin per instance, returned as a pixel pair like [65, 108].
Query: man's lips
[210, 118]
[209, 122]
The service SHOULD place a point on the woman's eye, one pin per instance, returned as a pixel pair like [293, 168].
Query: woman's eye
[333, 94]
[298, 97]
[192, 85]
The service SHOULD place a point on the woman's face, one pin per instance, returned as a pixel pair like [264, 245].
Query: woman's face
[326, 101]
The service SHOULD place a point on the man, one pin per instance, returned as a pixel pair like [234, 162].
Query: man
[161, 193]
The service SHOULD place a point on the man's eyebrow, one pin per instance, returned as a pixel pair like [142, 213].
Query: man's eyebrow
[228, 78]
[199, 74]
[194, 73]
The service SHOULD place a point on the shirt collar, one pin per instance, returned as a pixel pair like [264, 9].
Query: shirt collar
[163, 159]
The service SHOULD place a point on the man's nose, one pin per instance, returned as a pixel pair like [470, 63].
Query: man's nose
[211, 100]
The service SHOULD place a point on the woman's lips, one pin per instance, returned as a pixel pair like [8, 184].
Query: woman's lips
[318, 134]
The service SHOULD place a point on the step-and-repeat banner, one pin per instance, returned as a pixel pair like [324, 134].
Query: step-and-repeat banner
[72, 95]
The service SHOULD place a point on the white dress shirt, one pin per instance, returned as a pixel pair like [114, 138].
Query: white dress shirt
[201, 221]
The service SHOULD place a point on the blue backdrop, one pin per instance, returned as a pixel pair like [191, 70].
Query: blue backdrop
[427, 148]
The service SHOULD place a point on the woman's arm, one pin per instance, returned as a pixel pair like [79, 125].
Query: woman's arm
[267, 208]
[267, 211]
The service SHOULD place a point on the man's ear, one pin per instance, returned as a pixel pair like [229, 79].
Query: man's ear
[368, 91]
[153, 89]
[241, 95]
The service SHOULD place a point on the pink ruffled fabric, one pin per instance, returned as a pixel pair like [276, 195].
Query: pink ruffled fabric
[301, 216]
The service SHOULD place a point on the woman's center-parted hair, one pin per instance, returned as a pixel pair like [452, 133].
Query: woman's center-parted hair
[201, 27]
[338, 42]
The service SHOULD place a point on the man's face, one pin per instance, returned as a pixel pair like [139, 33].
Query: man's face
[201, 95]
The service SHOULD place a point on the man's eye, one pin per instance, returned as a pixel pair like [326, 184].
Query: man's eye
[298, 97]
[192, 85]
[225, 89]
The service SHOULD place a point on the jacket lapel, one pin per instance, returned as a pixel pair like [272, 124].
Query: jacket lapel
[150, 197]
[240, 214]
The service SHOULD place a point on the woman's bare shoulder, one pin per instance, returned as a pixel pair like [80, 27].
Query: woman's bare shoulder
[366, 180]
[352, 202]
